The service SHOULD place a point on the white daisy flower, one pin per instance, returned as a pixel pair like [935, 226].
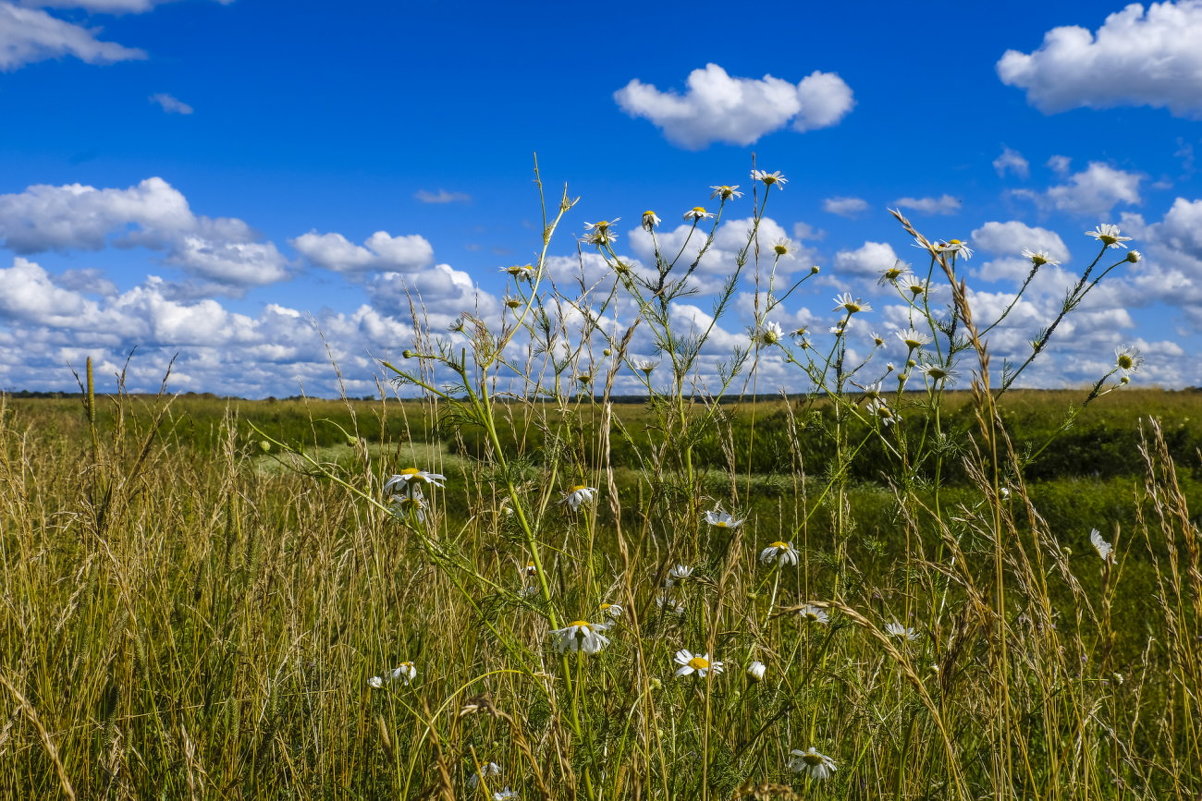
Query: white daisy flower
[520, 272]
[504, 795]
[767, 333]
[782, 247]
[668, 605]
[529, 569]
[698, 664]
[882, 411]
[578, 496]
[726, 192]
[811, 763]
[893, 274]
[696, 214]
[779, 551]
[1039, 258]
[483, 770]
[912, 339]
[721, 519]
[644, 366]
[770, 178]
[953, 246]
[916, 285]
[896, 629]
[814, 614]
[1104, 548]
[1127, 359]
[937, 372]
[756, 670]
[599, 233]
[850, 305]
[581, 635]
[678, 573]
[613, 611]
[410, 480]
[405, 673]
[1108, 235]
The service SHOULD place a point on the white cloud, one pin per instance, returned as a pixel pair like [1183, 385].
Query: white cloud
[28, 294]
[945, 204]
[107, 6]
[1095, 191]
[28, 35]
[442, 292]
[869, 260]
[845, 206]
[152, 214]
[719, 108]
[90, 280]
[1011, 238]
[720, 259]
[441, 196]
[1012, 161]
[381, 251]
[1060, 164]
[1134, 59]
[170, 104]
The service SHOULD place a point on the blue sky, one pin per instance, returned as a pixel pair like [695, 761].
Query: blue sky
[209, 178]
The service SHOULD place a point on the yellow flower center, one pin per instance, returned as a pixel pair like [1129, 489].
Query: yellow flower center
[604, 607]
[784, 546]
[722, 524]
[577, 488]
[699, 663]
[699, 210]
[781, 250]
[954, 242]
[1125, 361]
[583, 624]
[812, 759]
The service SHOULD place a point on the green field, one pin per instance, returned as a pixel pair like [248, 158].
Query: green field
[197, 593]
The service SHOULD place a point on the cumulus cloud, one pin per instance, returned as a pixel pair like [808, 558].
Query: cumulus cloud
[441, 196]
[89, 280]
[867, 261]
[845, 206]
[1011, 238]
[107, 6]
[1012, 161]
[945, 204]
[28, 35]
[1095, 191]
[1137, 57]
[170, 104]
[441, 293]
[1092, 192]
[152, 214]
[717, 107]
[381, 251]
[720, 259]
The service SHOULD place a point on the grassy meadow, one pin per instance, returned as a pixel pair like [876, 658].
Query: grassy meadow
[190, 612]
[513, 585]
